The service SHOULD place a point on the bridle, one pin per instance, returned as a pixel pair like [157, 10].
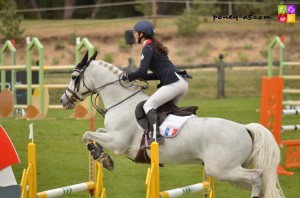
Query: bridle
[75, 98]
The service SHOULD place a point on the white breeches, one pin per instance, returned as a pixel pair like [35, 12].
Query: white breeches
[173, 92]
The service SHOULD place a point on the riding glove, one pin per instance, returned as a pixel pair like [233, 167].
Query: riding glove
[124, 76]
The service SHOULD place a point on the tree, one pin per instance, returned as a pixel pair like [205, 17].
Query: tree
[11, 22]
[145, 8]
[68, 14]
[1, 3]
[112, 12]
[35, 7]
[244, 9]
[203, 9]
[163, 8]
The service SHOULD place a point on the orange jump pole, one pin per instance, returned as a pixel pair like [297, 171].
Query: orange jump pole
[271, 110]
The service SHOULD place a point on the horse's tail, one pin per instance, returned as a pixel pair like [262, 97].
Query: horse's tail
[266, 156]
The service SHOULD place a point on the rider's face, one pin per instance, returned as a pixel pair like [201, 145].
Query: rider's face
[136, 36]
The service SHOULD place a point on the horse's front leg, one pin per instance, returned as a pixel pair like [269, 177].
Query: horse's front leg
[97, 151]
[101, 130]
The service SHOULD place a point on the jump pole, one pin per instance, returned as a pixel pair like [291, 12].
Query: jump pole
[67, 190]
[271, 117]
[8, 45]
[29, 181]
[35, 43]
[152, 181]
[178, 192]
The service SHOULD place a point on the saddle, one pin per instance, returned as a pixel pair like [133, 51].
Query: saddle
[162, 112]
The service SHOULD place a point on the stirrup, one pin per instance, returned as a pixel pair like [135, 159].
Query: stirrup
[159, 139]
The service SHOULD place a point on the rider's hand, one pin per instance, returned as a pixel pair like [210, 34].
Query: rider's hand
[145, 87]
[124, 76]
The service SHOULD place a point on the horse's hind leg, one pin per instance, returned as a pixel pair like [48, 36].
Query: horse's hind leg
[239, 174]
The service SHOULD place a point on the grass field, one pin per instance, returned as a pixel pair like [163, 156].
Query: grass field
[62, 158]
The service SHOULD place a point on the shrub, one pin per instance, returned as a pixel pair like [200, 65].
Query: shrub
[243, 58]
[108, 57]
[187, 23]
[123, 44]
[248, 47]
[264, 53]
[59, 45]
[72, 39]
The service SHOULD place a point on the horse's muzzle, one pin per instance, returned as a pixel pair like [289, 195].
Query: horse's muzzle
[66, 103]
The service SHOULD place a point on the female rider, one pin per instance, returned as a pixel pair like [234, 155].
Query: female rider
[173, 82]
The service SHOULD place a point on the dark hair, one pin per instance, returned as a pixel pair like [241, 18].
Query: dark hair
[160, 48]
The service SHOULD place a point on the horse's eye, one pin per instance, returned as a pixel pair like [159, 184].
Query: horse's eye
[74, 77]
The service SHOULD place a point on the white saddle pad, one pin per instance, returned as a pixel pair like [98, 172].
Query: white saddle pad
[172, 125]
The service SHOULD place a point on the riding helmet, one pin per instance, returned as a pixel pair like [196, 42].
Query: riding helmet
[145, 27]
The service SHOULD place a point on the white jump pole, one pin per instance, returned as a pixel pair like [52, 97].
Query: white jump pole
[290, 127]
[67, 190]
[291, 112]
[178, 192]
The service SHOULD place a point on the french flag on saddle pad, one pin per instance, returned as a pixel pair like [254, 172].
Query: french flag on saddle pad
[170, 131]
[172, 125]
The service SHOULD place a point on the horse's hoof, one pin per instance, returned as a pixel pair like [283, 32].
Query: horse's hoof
[106, 161]
[94, 151]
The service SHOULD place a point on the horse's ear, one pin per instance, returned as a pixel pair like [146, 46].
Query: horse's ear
[85, 58]
[92, 58]
[94, 55]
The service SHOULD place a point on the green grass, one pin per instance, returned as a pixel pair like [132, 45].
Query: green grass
[62, 158]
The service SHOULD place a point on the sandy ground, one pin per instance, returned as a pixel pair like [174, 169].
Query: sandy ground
[245, 45]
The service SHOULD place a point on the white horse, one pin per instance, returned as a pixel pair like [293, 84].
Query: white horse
[226, 148]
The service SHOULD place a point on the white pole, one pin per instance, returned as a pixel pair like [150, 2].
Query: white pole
[291, 112]
[290, 127]
[154, 132]
[66, 190]
[178, 192]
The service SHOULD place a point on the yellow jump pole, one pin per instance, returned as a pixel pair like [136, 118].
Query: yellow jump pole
[208, 193]
[152, 179]
[32, 176]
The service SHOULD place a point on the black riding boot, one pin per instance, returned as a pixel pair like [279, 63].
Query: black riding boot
[153, 119]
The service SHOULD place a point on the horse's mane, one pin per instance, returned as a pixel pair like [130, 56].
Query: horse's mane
[115, 70]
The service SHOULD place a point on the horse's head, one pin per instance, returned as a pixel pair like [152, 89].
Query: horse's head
[79, 87]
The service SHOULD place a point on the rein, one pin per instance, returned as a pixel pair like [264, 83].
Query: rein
[102, 112]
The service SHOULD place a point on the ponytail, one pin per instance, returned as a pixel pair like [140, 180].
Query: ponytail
[160, 48]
